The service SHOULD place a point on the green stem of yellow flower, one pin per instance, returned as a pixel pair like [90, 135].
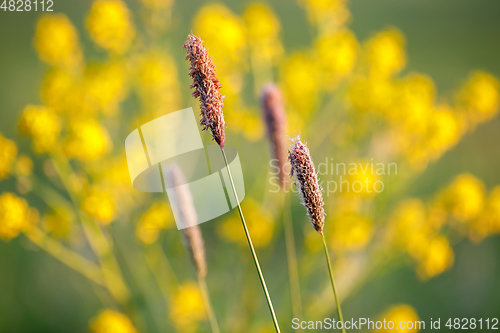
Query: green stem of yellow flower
[293, 272]
[208, 305]
[98, 242]
[252, 249]
[339, 310]
[71, 259]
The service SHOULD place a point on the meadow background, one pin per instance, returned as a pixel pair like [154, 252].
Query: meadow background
[444, 39]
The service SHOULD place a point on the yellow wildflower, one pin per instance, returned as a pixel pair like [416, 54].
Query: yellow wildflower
[158, 216]
[43, 125]
[88, 140]
[187, 307]
[337, 54]
[326, 14]
[158, 82]
[400, 313]
[385, 53]
[8, 153]
[437, 258]
[24, 165]
[488, 222]
[105, 85]
[464, 197]
[110, 321]
[99, 204]
[408, 227]
[15, 216]
[371, 94]
[58, 90]
[362, 179]
[223, 32]
[110, 25]
[300, 78]
[260, 225]
[479, 96]
[443, 132]
[263, 28]
[56, 41]
[350, 232]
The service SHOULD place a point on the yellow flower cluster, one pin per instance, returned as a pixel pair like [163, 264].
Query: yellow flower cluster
[300, 79]
[400, 313]
[385, 53]
[105, 86]
[187, 307]
[8, 154]
[110, 321]
[87, 140]
[259, 221]
[42, 125]
[157, 217]
[15, 216]
[337, 54]
[479, 98]
[411, 230]
[349, 232]
[263, 31]
[110, 25]
[99, 204]
[158, 82]
[56, 41]
[326, 14]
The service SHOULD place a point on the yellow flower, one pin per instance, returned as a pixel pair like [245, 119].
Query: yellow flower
[99, 204]
[247, 122]
[43, 125]
[15, 216]
[158, 82]
[24, 165]
[105, 85]
[479, 96]
[110, 25]
[444, 130]
[400, 313]
[300, 82]
[409, 228]
[223, 32]
[110, 321]
[187, 307]
[385, 53]
[327, 14]
[263, 28]
[337, 54]
[437, 258]
[362, 179]
[464, 197]
[58, 90]
[158, 216]
[88, 140]
[350, 232]
[488, 222]
[56, 41]
[371, 94]
[260, 225]
[8, 153]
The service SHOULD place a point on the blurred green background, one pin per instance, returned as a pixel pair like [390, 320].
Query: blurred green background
[446, 39]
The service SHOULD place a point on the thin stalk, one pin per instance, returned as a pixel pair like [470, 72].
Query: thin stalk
[291, 256]
[252, 249]
[208, 305]
[339, 310]
[71, 259]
